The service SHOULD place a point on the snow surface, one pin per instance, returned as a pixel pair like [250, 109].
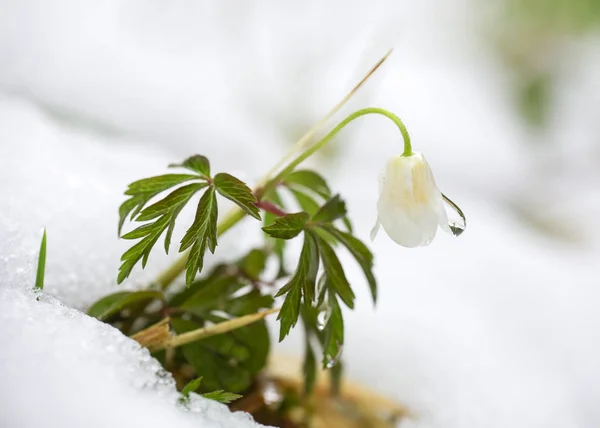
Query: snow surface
[495, 329]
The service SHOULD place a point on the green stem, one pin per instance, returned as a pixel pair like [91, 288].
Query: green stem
[327, 138]
[236, 214]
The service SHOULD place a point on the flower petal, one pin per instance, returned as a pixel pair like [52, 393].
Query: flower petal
[409, 201]
[436, 200]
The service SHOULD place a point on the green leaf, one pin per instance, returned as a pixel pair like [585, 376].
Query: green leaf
[334, 334]
[335, 273]
[306, 203]
[133, 205]
[142, 191]
[360, 252]
[290, 310]
[332, 210]
[172, 201]
[223, 294]
[254, 263]
[288, 226]
[347, 223]
[201, 234]
[222, 396]
[158, 184]
[309, 368]
[302, 280]
[278, 244]
[248, 303]
[321, 290]
[228, 361]
[237, 191]
[197, 163]
[191, 386]
[310, 180]
[312, 253]
[164, 213]
[115, 303]
[41, 266]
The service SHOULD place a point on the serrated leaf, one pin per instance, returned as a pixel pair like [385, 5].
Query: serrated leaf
[114, 303]
[334, 333]
[222, 396]
[191, 386]
[360, 252]
[278, 244]
[41, 265]
[312, 250]
[347, 224]
[236, 190]
[142, 191]
[332, 210]
[290, 310]
[303, 279]
[140, 251]
[201, 234]
[321, 290]
[335, 273]
[164, 213]
[310, 180]
[288, 226]
[176, 198]
[196, 163]
[133, 206]
[158, 183]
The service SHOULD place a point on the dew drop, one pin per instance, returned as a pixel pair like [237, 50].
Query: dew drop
[331, 361]
[456, 229]
[323, 317]
[272, 396]
[458, 221]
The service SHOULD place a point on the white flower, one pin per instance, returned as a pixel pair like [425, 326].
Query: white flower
[410, 206]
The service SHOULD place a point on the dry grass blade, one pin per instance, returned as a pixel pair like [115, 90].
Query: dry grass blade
[154, 335]
[302, 142]
[202, 333]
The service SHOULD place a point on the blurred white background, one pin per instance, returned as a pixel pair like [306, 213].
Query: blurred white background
[497, 328]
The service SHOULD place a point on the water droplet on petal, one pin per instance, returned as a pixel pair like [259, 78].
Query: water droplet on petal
[456, 229]
[457, 220]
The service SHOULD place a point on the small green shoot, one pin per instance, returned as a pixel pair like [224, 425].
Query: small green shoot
[41, 266]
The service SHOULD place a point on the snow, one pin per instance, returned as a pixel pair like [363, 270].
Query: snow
[494, 329]
[76, 371]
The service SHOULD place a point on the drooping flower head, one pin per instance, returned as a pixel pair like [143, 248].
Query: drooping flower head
[410, 206]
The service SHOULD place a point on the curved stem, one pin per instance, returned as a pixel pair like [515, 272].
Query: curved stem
[321, 143]
[236, 214]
